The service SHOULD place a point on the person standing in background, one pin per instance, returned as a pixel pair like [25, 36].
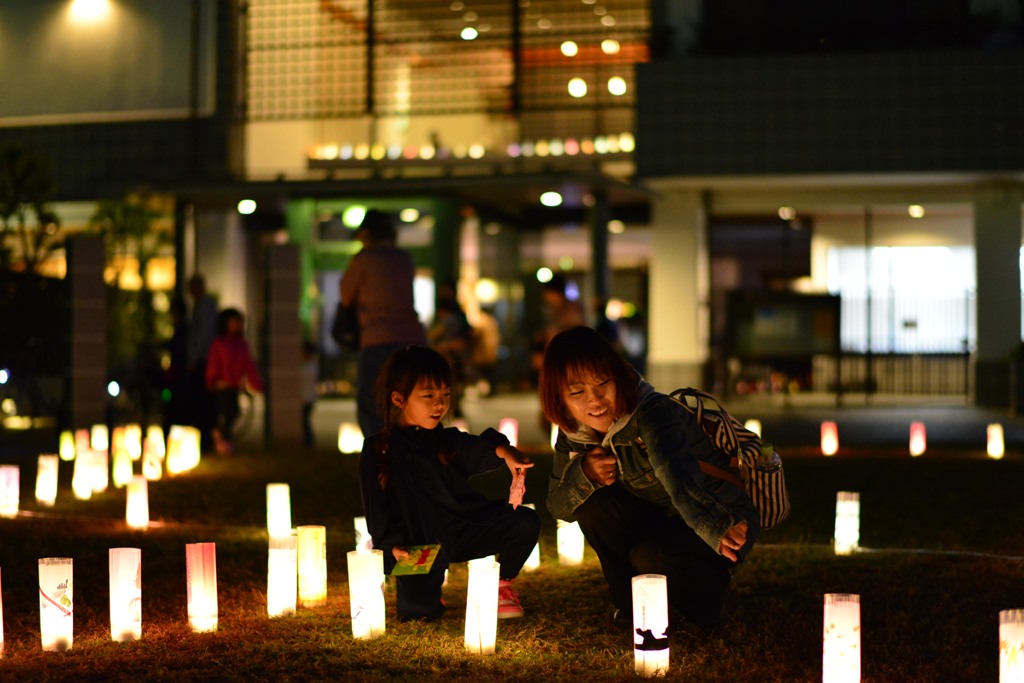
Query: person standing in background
[202, 331]
[230, 370]
[379, 283]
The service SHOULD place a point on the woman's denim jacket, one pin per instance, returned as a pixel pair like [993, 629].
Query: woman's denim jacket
[658, 448]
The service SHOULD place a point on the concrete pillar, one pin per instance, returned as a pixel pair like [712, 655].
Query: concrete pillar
[598, 216]
[283, 345]
[997, 242]
[679, 289]
[87, 334]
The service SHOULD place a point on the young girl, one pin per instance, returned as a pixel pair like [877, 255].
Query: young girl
[229, 370]
[414, 479]
[627, 467]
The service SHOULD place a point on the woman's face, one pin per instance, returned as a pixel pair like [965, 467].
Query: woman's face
[425, 407]
[591, 401]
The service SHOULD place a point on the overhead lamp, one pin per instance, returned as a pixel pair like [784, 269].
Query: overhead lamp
[915, 211]
[469, 33]
[570, 49]
[247, 207]
[617, 86]
[577, 87]
[544, 274]
[551, 199]
[610, 47]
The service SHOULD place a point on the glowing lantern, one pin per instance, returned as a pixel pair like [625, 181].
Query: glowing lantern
[56, 613]
[122, 468]
[282, 576]
[152, 461]
[47, 468]
[155, 441]
[650, 624]
[1011, 646]
[137, 505]
[82, 440]
[66, 449]
[81, 480]
[350, 438]
[183, 453]
[569, 537]
[840, 654]
[99, 471]
[125, 594]
[917, 439]
[996, 447]
[201, 577]
[279, 510]
[533, 561]
[312, 559]
[829, 438]
[133, 440]
[753, 425]
[482, 606]
[366, 593]
[10, 490]
[363, 540]
[510, 428]
[98, 438]
[847, 537]
[117, 442]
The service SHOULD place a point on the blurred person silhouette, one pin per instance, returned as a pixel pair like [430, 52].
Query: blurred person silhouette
[229, 371]
[379, 283]
[201, 332]
[485, 347]
[562, 311]
[451, 335]
[175, 377]
[310, 374]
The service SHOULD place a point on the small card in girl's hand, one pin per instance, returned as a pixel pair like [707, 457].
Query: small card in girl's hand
[420, 560]
[518, 489]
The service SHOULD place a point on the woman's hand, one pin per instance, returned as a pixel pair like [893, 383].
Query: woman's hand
[599, 466]
[734, 539]
[399, 553]
[515, 459]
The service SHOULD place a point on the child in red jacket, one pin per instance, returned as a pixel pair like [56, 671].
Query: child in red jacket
[229, 370]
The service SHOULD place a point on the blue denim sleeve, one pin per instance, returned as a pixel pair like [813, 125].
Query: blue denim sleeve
[675, 445]
[568, 487]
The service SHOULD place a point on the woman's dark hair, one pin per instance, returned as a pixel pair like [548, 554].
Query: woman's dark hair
[225, 316]
[578, 354]
[402, 371]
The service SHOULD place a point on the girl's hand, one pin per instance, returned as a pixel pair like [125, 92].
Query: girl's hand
[515, 459]
[600, 466]
[733, 540]
[399, 553]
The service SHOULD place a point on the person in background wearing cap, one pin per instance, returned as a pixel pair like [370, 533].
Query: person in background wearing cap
[378, 282]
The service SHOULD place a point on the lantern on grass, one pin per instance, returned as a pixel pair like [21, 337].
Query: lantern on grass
[363, 540]
[47, 467]
[650, 624]
[917, 439]
[56, 609]
[847, 536]
[753, 425]
[81, 476]
[99, 439]
[995, 446]
[312, 559]
[350, 438]
[10, 490]
[509, 426]
[570, 543]
[533, 561]
[282, 576]
[117, 442]
[829, 438]
[99, 471]
[152, 463]
[366, 593]
[840, 653]
[279, 510]
[137, 503]
[83, 440]
[1011, 646]
[125, 594]
[482, 606]
[133, 440]
[201, 577]
[155, 441]
[66, 447]
[122, 468]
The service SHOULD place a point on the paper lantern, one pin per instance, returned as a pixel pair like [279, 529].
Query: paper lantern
[363, 541]
[917, 439]
[152, 462]
[829, 438]
[995, 447]
[533, 561]
[650, 624]
[47, 468]
[509, 426]
[125, 594]
[366, 593]
[98, 438]
[133, 440]
[847, 537]
[10, 490]
[155, 441]
[312, 559]
[122, 468]
[99, 471]
[81, 476]
[840, 654]
[182, 449]
[82, 440]
[56, 607]
[137, 502]
[66, 448]
[482, 606]
[1011, 646]
[350, 438]
[117, 442]
[201, 577]
[279, 510]
[282, 576]
[569, 537]
[753, 425]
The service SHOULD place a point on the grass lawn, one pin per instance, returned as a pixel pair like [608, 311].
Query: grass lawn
[945, 533]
